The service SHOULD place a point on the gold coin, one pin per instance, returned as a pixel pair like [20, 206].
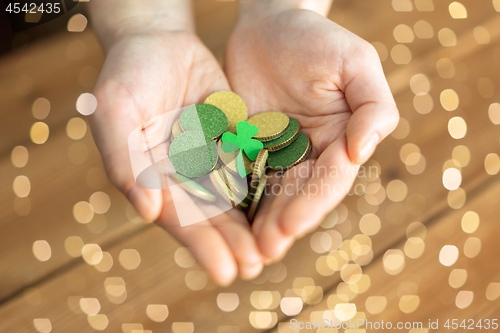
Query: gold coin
[176, 129]
[221, 187]
[193, 188]
[236, 184]
[232, 105]
[256, 198]
[229, 160]
[259, 168]
[271, 124]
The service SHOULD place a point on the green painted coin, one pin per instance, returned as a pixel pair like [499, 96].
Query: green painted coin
[193, 188]
[193, 154]
[206, 118]
[281, 142]
[290, 156]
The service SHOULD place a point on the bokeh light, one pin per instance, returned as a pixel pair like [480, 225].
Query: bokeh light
[447, 37]
[195, 280]
[39, 133]
[481, 35]
[470, 222]
[19, 156]
[83, 212]
[86, 104]
[464, 299]
[130, 259]
[457, 278]
[228, 302]
[486, 87]
[42, 325]
[76, 128]
[423, 29]
[21, 186]
[445, 68]
[423, 104]
[99, 322]
[42, 250]
[402, 5]
[403, 34]
[448, 255]
[40, 108]
[472, 247]
[92, 253]
[291, 306]
[452, 178]
[100, 202]
[494, 113]
[449, 99]
[457, 10]
[90, 306]
[492, 164]
[457, 127]
[73, 246]
[409, 303]
[77, 23]
[401, 54]
[157, 312]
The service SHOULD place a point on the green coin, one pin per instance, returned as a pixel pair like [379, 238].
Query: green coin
[206, 118]
[193, 154]
[281, 142]
[193, 188]
[290, 156]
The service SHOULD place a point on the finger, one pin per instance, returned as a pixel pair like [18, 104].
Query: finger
[204, 241]
[273, 241]
[241, 242]
[375, 114]
[333, 176]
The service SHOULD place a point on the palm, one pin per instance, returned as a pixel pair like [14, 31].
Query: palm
[144, 77]
[299, 62]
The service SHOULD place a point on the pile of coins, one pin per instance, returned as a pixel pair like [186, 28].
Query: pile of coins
[197, 150]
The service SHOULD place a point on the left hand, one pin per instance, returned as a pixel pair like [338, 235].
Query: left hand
[332, 82]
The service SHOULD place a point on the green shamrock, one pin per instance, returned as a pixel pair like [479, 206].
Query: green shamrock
[244, 142]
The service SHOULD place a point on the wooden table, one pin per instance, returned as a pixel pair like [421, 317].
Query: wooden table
[430, 259]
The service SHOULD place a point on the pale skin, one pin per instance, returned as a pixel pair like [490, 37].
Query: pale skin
[282, 55]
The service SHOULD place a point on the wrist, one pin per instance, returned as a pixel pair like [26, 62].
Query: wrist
[255, 9]
[114, 20]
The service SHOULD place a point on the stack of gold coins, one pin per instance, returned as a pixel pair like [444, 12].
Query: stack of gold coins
[203, 167]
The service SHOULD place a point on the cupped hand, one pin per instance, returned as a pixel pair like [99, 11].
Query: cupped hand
[146, 75]
[332, 82]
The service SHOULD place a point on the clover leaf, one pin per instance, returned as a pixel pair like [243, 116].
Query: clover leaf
[244, 142]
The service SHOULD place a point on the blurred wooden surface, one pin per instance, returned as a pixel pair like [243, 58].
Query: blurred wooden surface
[422, 290]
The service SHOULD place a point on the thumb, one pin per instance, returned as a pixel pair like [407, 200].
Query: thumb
[375, 114]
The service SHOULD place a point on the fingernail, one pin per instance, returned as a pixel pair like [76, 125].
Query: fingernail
[368, 148]
[251, 272]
